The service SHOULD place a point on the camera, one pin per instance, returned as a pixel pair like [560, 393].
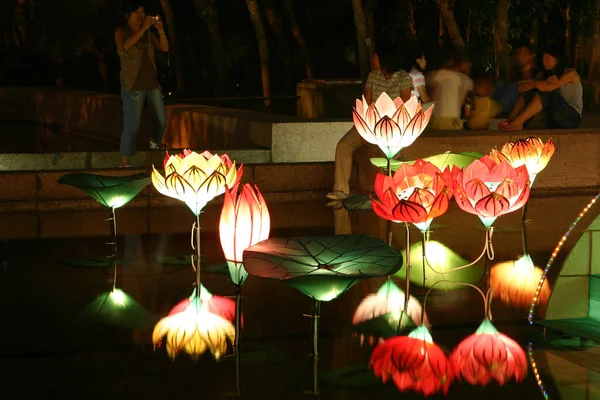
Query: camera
[155, 19]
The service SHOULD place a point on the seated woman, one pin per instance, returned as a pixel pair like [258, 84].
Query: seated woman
[559, 96]
[385, 77]
[418, 79]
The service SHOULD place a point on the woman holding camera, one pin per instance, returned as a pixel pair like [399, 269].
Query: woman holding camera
[139, 87]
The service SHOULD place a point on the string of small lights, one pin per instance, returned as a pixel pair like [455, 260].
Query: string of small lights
[536, 372]
[563, 239]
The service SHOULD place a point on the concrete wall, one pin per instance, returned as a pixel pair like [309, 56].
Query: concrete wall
[35, 205]
[99, 114]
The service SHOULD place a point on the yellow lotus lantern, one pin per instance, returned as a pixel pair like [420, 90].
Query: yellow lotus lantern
[194, 330]
[196, 178]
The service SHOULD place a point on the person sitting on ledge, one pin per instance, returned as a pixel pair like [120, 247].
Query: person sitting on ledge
[559, 96]
[387, 76]
[451, 87]
[135, 46]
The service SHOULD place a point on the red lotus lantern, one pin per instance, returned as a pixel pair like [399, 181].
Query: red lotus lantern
[489, 189]
[413, 362]
[244, 222]
[416, 193]
[488, 354]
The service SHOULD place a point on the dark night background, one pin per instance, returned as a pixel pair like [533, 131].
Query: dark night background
[216, 54]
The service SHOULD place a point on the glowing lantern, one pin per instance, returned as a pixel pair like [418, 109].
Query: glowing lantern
[516, 282]
[196, 178]
[194, 330]
[244, 222]
[488, 354]
[413, 362]
[489, 189]
[388, 303]
[530, 152]
[116, 307]
[390, 124]
[416, 193]
[218, 305]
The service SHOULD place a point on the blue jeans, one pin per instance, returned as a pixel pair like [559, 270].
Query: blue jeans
[133, 105]
[507, 95]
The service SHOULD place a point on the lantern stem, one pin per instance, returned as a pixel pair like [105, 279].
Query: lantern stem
[238, 333]
[316, 314]
[487, 298]
[389, 166]
[423, 254]
[524, 228]
[113, 242]
[408, 267]
[197, 248]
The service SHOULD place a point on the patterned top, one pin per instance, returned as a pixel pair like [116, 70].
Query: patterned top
[131, 59]
[417, 80]
[399, 81]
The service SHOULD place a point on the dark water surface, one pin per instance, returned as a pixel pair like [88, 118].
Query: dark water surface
[49, 352]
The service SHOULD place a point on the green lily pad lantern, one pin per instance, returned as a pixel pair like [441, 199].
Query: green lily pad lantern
[439, 261]
[322, 268]
[110, 191]
[118, 308]
[443, 160]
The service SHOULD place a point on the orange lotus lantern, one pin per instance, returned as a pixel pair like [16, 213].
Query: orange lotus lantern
[415, 194]
[530, 152]
[390, 124]
[489, 354]
[245, 221]
[516, 282]
[413, 362]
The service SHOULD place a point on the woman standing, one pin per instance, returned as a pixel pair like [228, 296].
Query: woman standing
[139, 87]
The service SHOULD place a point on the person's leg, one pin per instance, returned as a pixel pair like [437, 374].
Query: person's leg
[561, 113]
[533, 108]
[343, 160]
[158, 114]
[522, 101]
[509, 98]
[133, 104]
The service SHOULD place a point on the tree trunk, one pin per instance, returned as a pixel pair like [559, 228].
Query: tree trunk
[593, 72]
[453, 31]
[291, 16]
[20, 24]
[502, 60]
[361, 36]
[207, 10]
[567, 13]
[369, 10]
[283, 52]
[411, 23]
[174, 45]
[263, 49]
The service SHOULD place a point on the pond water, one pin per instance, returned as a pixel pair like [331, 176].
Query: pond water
[35, 138]
[51, 351]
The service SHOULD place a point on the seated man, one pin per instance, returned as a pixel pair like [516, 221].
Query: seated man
[451, 86]
[559, 96]
[386, 77]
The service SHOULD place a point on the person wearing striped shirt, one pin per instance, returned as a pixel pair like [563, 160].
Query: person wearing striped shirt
[388, 77]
